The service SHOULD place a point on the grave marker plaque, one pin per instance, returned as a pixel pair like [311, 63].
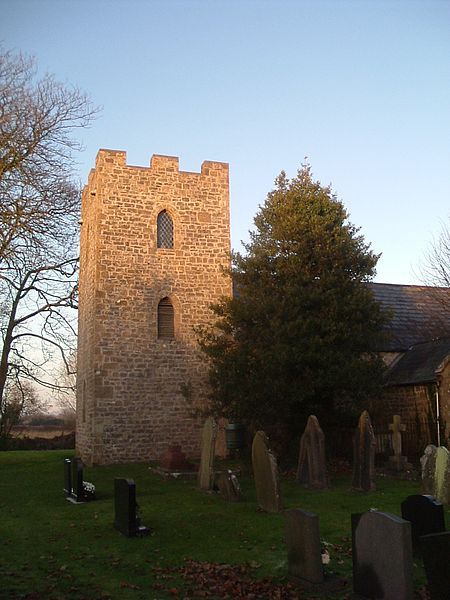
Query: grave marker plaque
[67, 477]
[428, 467]
[265, 473]
[436, 560]
[125, 509]
[77, 495]
[382, 556]
[364, 455]
[303, 545]
[425, 514]
[312, 466]
[442, 475]
[206, 469]
[228, 485]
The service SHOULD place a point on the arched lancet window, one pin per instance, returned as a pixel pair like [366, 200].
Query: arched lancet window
[164, 227]
[166, 318]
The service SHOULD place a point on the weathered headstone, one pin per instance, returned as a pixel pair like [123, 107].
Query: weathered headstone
[436, 560]
[425, 514]
[442, 475]
[303, 545]
[228, 485]
[364, 455]
[206, 469]
[265, 473]
[428, 467]
[397, 462]
[382, 556]
[126, 519]
[67, 477]
[312, 466]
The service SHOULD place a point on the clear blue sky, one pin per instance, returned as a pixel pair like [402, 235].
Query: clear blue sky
[362, 88]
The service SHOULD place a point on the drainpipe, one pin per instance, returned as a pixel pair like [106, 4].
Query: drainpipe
[438, 415]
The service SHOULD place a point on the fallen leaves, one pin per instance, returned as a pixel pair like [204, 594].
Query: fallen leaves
[213, 580]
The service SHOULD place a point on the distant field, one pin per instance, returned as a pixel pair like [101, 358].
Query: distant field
[41, 431]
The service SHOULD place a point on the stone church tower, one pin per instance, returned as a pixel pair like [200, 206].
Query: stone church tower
[153, 244]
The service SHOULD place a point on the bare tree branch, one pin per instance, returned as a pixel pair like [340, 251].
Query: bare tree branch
[39, 213]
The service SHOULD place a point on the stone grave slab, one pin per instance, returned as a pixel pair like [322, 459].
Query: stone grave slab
[425, 514]
[228, 485]
[436, 560]
[442, 475]
[364, 444]
[126, 518]
[382, 556]
[206, 470]
[265, 473]
[428, 467]
[303, 545]
[312, 465]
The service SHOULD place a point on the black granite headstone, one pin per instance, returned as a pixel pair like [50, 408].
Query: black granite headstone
[425, 514]
[436, 560]
[125, 505]
[67, 477]
[382, 556]
[77, 494]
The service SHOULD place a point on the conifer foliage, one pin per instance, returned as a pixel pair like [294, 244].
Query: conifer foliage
[300, 334]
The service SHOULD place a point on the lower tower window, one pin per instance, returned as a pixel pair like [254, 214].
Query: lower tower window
[166, 328]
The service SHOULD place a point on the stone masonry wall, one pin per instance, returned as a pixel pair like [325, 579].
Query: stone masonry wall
[130, 406]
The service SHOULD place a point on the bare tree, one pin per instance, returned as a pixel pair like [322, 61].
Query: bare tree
[39, 212]
[66, 379]
[436, 270]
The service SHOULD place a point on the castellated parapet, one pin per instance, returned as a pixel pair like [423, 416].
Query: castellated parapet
[132, 368]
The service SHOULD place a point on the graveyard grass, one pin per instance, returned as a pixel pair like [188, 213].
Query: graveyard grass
[53, 549]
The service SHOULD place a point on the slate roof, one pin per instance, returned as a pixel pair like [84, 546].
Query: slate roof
[419, 314]
[420, 363]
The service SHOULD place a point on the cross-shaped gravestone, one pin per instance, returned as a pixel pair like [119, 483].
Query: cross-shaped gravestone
[398, 462]
[397, 427]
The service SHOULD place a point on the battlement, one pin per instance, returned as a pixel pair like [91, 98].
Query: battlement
[158, 162]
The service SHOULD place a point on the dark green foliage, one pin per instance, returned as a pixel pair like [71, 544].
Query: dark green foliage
[300, 335]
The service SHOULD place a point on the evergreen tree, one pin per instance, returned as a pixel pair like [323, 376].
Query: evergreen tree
[299, 336]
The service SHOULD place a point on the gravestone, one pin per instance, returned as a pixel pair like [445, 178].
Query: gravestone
[442, 475]
[428, 467]
[206, 469]
[312, 466]
[228, 485]
[303, 545]
[77, 495]
[397, 462]
[436, 560]
[67, 477]
[126, 519]
[265, 473]
[364, 455]
[382, 556]
[425, 514]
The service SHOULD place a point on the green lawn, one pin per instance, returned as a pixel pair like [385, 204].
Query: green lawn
[53, 549]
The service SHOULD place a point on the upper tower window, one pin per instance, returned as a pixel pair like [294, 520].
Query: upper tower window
[164, 228]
